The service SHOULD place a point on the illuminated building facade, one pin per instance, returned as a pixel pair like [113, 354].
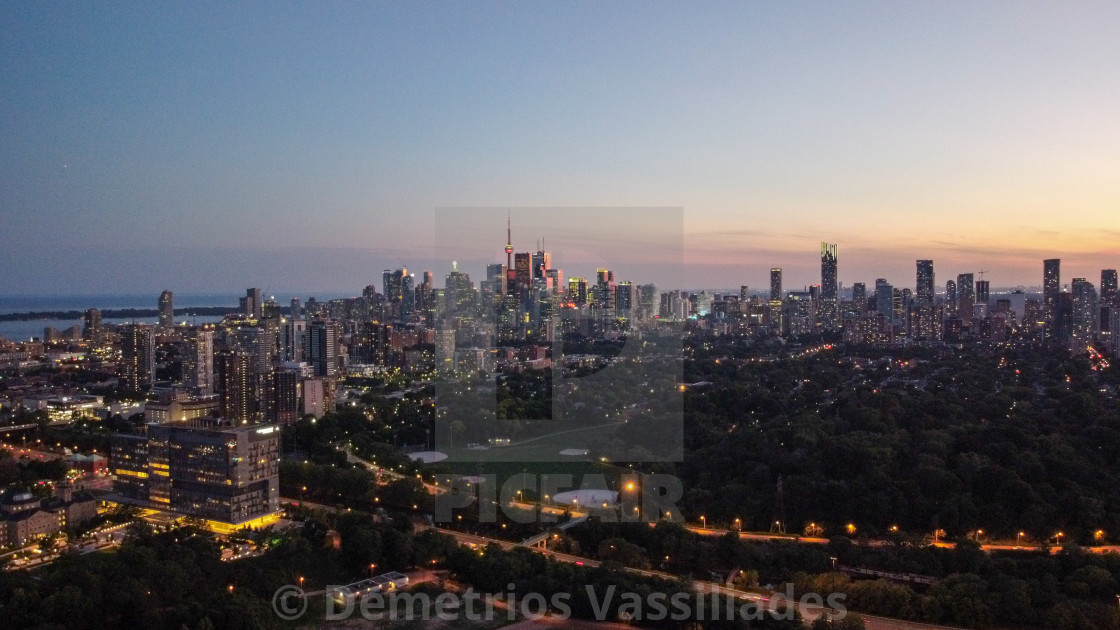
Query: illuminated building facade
[225, 474]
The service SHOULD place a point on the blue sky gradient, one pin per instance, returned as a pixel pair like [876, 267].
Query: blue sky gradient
[210, 146]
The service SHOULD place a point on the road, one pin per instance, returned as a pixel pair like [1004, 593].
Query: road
[382, 472]
[808, 612]
[759, 536]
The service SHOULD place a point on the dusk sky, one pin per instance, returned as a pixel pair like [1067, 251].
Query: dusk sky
[306, 146]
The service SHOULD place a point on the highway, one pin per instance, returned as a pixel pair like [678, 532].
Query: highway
[808, 612]
[758, 536]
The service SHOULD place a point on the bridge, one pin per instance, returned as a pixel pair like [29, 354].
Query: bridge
[540, 539]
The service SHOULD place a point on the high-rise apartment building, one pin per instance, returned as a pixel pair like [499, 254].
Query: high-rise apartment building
[776, 284]
[1051, 288]
[91, 328]
[238, 381]
[829, 309]
[138, 358]
[252, 306]
[966, 297]
[1085, 312]
[983, 292]
[198, 361]
[925, 277]
[1109, 303]
[859, 297]
[166, 310]
[322, 347]
[1109, 292]
[884, 298]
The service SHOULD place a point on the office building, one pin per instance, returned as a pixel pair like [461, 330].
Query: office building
[225, 474]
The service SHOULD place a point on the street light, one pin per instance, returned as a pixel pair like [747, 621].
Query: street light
[1019, 537]
[703, 522]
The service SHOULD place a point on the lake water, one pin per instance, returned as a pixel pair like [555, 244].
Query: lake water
[25, 330]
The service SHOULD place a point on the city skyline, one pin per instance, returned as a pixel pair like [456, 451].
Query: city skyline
[308, 150]
[804, 271]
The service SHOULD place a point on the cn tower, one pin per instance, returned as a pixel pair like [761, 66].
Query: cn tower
[509, 256]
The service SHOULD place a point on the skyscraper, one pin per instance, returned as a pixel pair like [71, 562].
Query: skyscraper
[252, 305]
[1114, 325]
[238, 380]
[775, 306]
[925, 282]
[511, 273]
[884, 299]
[523, 273]
[495, 279]
[983, 292]
[399, 297]
[322, 340]
[828, 311]
[138, 358]
[966, 297]
[294, 309]
[1109, 292]
[577, 291]
[859, 296]
[542, 262]
[166, 310]
[1109, 302]
[198, 361]
[951, 297]
[1051, 288]
[1086, 316]
[91, 329]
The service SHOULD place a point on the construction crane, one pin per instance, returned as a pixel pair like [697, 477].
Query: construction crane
[982, 273]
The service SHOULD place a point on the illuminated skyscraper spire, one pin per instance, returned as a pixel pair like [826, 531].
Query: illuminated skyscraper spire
[509, 256]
